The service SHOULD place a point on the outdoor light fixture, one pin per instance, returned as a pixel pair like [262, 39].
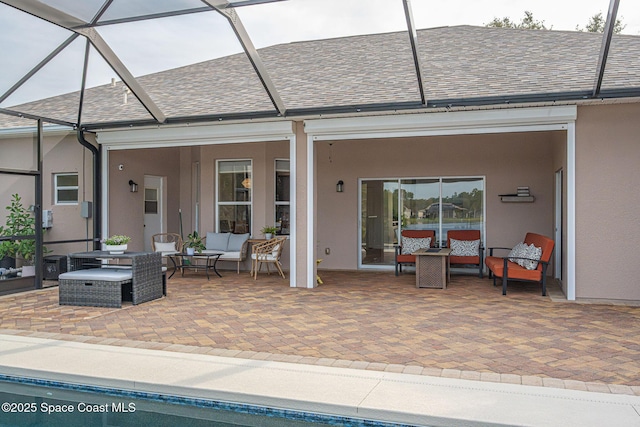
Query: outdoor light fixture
[340, 186]
[133, 187]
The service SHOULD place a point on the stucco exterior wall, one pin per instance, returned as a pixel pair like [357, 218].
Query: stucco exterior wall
[61, 153]
[126, 209]
[506, 160]
[607, 200]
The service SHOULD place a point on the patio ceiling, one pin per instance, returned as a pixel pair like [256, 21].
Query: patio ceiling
[177, 61]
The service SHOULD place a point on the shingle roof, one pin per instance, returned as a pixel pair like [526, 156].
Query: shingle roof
[461, 62]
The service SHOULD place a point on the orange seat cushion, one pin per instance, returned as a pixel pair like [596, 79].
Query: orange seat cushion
[406, 258]
[464, 260]
[515, 271]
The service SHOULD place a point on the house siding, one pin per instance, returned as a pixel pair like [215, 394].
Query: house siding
[607, 200]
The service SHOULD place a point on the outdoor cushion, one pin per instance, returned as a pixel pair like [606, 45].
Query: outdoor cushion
[496, 265]
[412, 244]
[518, 251]
[104, 274]
[217, 241]
[166, 247]
[534, 253]
[236, 241]
[464, 247]
[235, 255]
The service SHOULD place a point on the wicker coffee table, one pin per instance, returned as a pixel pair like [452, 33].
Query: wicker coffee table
[432, 268]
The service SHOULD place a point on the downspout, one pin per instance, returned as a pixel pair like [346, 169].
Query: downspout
[97, 186]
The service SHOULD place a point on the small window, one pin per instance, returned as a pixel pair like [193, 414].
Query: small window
[283, 182]
[150, 200]
[66, 188]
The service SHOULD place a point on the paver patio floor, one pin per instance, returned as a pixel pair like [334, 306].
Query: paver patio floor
[368, 320]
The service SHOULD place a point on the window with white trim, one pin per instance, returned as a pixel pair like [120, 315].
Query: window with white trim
[65, 188]
[234, 199]
[282, 208]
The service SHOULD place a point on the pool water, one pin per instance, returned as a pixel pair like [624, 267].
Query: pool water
[31, 402]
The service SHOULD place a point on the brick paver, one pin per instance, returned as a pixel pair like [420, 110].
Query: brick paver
[366, 320]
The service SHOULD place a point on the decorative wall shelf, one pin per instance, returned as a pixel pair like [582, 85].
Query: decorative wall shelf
[517, 199]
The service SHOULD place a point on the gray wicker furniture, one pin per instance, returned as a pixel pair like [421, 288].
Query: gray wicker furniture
[96, 287]
[146, 270]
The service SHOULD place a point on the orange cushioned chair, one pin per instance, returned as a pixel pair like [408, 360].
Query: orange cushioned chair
[470, 238]
[407, 258]
[509, 270]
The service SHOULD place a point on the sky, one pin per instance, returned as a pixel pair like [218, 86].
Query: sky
[151, 46]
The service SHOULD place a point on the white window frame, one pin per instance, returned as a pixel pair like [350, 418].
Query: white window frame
[279, 202]
[57, 188]
[233, 203]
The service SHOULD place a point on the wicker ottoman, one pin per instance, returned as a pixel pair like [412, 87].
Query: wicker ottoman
[96, 287]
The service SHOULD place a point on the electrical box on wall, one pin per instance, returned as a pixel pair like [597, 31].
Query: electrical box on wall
[85, 209]
[47, 218]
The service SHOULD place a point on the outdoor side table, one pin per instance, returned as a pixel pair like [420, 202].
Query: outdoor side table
[432, 268]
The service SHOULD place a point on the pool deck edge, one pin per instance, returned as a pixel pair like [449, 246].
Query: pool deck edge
[384, 396]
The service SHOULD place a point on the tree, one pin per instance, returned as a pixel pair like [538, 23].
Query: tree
[526, 23]
[596, 25]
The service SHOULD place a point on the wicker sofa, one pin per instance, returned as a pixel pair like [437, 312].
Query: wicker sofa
[232, 247]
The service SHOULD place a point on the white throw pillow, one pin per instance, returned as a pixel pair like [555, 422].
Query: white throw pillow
[412, 244]
[534, 253]
[465, 247]
[165, 246]
[519, 250]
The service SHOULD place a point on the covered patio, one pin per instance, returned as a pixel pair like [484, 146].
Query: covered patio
[365, 320]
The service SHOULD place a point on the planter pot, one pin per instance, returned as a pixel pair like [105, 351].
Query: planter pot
[191, 251]
[18, 284]
[268, 236]
[115, 249]
[8, 262]
[28, 270]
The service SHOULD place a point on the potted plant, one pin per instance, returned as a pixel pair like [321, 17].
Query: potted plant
[116, 244]
[20, 222]
[269, 231]
[193, 244]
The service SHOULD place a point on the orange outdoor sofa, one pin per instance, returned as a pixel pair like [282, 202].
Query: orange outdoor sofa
[508, 269]
[403, 254]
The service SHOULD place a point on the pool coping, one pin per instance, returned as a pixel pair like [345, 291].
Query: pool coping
[415, 399]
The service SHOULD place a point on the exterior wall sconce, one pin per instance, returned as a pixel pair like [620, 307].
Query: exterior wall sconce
[340, 186]
[133, 187]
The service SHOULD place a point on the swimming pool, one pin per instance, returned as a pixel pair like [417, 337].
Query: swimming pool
[34, 402]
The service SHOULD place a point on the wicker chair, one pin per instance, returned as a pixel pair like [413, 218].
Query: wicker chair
[168, 244]
[267, 253]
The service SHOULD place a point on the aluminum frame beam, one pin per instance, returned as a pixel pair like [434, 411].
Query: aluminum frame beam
[227, 10]
[606, 44]
[71, 23]
[413, 38]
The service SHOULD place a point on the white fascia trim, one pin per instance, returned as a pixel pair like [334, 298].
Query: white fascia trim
[444, 123]
[27, 131]
[187, 135]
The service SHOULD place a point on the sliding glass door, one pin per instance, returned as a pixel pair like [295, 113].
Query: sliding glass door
[379, 221]
[390, 205]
